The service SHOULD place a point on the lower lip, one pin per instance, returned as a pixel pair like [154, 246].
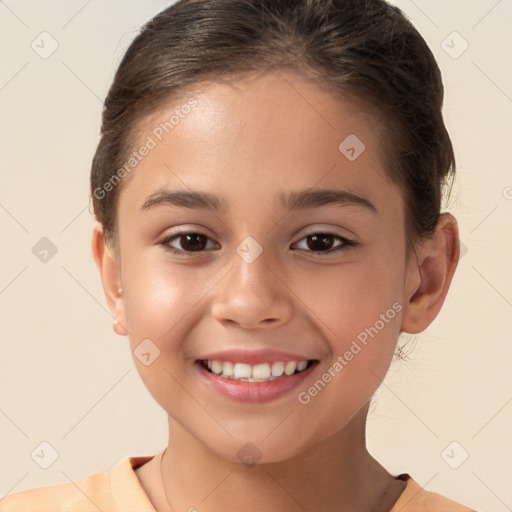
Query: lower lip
[241, 391]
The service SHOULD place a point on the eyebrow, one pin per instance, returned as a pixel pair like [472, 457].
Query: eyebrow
[295, 200]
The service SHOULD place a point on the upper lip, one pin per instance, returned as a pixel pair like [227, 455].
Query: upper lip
[253, 357]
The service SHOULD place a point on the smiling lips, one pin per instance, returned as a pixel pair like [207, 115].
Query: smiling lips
[254, 365]
[254, 376]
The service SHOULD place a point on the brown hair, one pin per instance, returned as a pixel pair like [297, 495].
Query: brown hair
[363, 48]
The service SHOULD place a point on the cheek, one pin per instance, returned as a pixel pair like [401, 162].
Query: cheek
[345, 299]
[361, 332]
[359, 310]
[159, 306]
[161, 297]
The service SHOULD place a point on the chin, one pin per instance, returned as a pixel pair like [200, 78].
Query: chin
[253, 452]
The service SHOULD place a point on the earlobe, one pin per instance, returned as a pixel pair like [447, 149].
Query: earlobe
[110, 272]
[429, 275]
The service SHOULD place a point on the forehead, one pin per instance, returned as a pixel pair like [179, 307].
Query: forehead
[254, 134]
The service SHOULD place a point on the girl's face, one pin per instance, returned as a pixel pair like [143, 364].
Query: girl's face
[267, 271]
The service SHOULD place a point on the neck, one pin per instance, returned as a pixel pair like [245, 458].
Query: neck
[336, 475]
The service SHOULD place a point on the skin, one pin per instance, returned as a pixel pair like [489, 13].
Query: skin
[247, 141]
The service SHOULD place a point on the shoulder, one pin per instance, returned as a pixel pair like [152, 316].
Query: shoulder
[113, 490]
[80, 494]
[417, 499]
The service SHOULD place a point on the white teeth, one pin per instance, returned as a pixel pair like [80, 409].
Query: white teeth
[216, 367]
[261, 371]
[227, 369]
[290, 367]
[242, 370]
[301, 365]
[278, 369]
[256, 373]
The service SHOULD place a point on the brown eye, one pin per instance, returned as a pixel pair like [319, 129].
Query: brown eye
[189, 242]
[193, 241]
[325, 243]
[320, 242]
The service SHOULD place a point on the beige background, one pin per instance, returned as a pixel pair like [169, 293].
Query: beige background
[67, 379]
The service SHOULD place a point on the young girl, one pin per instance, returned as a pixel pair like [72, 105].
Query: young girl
[267, 190]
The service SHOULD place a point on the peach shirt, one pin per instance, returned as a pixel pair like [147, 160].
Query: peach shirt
[120, 491]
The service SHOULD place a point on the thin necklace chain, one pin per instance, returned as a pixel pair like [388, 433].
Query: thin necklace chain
[400, 477]
[162, 475]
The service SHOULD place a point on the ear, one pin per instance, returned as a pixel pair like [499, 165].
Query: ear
[109, 267]
[429, 274]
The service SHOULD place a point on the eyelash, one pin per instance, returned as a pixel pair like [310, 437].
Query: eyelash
[347, 244]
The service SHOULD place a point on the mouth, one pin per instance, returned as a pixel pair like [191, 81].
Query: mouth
[262, 372]
[254, 383]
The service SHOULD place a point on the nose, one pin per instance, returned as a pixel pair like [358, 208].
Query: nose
[253, 295]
